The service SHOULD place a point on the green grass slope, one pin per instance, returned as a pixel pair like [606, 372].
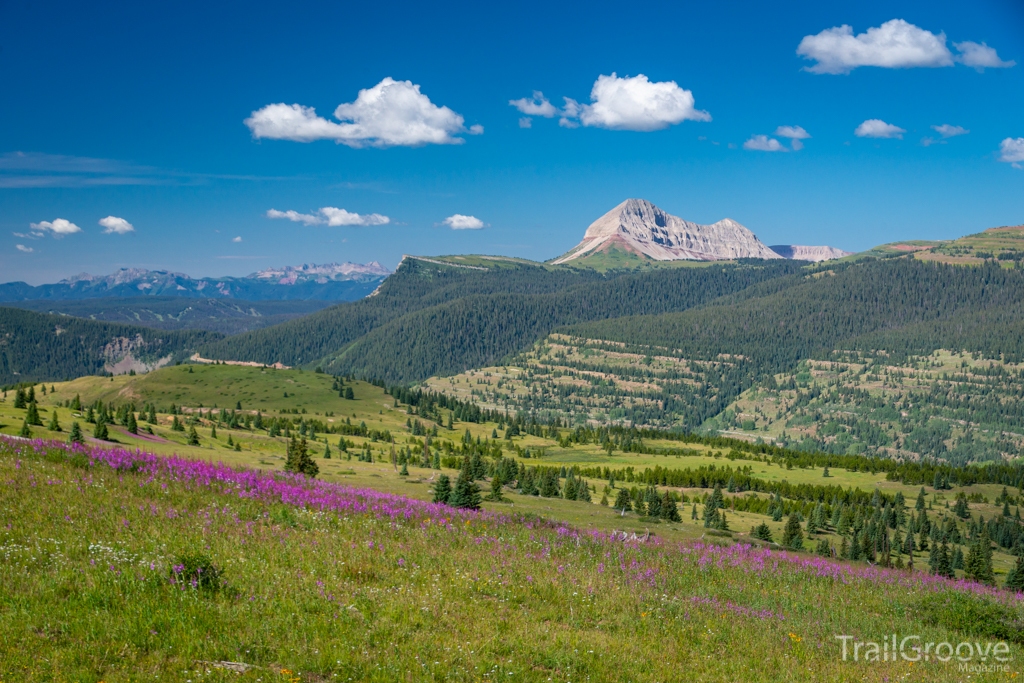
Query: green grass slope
[311, 582]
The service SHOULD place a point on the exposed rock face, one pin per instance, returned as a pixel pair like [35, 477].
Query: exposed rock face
[800, 252]
[639, 227]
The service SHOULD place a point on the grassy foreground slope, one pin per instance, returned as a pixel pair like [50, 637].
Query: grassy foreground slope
[307, 581]
[358, 433]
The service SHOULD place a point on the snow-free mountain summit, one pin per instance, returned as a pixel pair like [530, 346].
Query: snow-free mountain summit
[638, 227]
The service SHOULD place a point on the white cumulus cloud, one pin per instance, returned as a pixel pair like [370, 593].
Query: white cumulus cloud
[115, 225]
[948, 131]
[391, 113]
[459, 222]
[1011, 150]
[980, 56]
[525, 122]
[794, 132]
[877, 128]
[330, 216]
[896, 44]
[538, 105]
[763, 143]
[237, 239]
[59, 227]
[633, 103]
[22, 247]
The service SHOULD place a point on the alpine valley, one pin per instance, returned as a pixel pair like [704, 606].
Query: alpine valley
[671, 434]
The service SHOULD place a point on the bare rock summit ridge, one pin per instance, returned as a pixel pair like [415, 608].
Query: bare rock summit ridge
[639, 227]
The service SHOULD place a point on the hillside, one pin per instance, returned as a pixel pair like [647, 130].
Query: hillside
[431, 317]
[37, 346]
[227, 316]
[240, 575]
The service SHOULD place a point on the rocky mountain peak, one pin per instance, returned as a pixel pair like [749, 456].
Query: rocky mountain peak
[638, 226]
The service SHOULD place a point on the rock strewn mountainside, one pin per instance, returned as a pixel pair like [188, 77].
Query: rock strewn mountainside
[639, 227]
[800, 252]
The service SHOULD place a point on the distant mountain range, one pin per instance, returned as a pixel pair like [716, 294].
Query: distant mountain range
[330, 282]
[640, 228]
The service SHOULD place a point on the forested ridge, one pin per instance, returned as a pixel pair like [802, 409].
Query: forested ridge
[901, 305]
[36, 346]
[429, 318]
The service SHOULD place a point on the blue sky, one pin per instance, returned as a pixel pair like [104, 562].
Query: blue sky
[136, 113]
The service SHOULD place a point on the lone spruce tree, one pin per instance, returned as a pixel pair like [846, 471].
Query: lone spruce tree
[978, 565]
[442, 489]
[54, 425]
[763, 532]
[1015, 577]
[75, 436]
[793, 535]
[466, 493]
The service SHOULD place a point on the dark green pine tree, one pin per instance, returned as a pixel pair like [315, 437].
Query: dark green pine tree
[762, 532]
[19, 399]
[496, 485]
[1015, 577]
[404, 472]
[75, 435]
[823, 548]
[193, 436]
[442, 489]
[327, 451]
[213, 430]
[32, 416]
[25, 432]
[942, 563]
[349, 395]
[466, 493]
[711, 508]
[978, 565]
[622, 501]
[583, 491]
[151, 415]
[549, 483]
[793, 535]
[133, 426]
[54, 425]
[669, 511]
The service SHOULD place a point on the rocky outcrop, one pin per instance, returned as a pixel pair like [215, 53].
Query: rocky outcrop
[639, 227]
[800, 252]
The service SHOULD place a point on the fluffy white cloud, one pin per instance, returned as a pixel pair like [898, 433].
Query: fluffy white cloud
[1011, 150]
[795, 135]
[633, 104]
[459, 222]
[525, 122]
[336, 217]
[59, 227]
[237, 239]
[896, 44]
[118, 226]
[763, 143]
[877, 128]
[295, 216]
[391, 113]
[948, 131]
[980, 56]
[331, 216]
[22, 247]
[538, 105]
[794, 132]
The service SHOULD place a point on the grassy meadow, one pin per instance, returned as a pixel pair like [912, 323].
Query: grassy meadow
[306, 580]
[196, 388]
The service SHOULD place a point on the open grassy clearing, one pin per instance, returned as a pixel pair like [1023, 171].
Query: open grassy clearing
[320, 584]
[257, 389]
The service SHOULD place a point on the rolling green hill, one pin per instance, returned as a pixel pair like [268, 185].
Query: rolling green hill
[37, 346]
[433, 316]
